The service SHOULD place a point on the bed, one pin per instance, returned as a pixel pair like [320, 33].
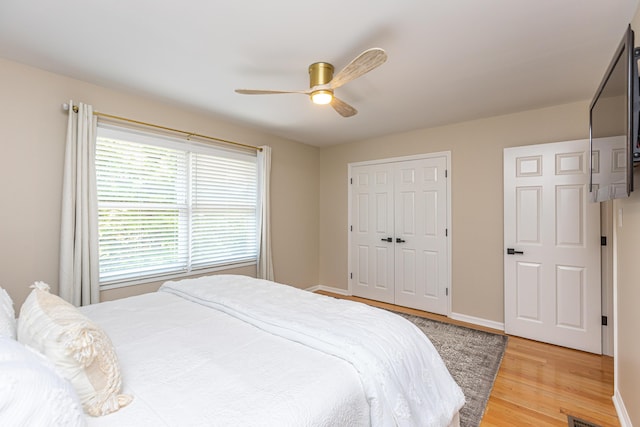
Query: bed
[230, 350]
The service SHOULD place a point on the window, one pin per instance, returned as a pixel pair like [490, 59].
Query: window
[169, 207]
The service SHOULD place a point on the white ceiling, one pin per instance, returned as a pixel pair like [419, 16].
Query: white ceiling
[449, 60]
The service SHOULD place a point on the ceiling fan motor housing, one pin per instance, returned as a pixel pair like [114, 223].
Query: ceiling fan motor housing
[320, 73]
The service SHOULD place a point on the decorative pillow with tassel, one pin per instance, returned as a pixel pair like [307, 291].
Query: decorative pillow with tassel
[79, 349]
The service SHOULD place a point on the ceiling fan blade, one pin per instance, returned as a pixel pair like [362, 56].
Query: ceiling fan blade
[363, 63]
[269, 92]
[344, 109]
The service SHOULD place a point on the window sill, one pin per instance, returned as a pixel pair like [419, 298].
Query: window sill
[173, 276]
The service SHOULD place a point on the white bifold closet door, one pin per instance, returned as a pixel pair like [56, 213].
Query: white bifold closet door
[399, 238]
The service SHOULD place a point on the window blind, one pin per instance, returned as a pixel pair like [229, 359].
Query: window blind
[168, 207]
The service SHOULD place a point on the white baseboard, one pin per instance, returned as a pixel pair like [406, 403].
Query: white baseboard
[477, 321]
[621, 410]
[338, 291]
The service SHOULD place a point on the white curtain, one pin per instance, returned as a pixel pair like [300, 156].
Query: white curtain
[79, 226]
[265, 261]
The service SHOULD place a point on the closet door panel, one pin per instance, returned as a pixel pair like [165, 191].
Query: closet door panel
[372, 236]
[421, 229]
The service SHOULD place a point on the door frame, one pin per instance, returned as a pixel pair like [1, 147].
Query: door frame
[607, 267]
[350, 166]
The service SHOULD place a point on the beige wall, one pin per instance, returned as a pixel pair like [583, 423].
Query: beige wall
[627, 318]
[627, 292]
[32, 134]
[476, 178]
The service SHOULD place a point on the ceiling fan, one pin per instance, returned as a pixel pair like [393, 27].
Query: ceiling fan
[322, 82]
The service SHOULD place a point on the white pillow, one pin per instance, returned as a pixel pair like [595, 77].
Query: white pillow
[7, 315]
[79, 349]
[32, 393]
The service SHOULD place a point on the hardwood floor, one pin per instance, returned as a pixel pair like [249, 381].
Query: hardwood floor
[540, 384]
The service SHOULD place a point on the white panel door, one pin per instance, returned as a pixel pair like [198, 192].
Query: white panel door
[552, 246]
[421, 265]
[372, 247]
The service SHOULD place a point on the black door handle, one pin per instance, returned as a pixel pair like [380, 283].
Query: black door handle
[388, 239]
[511, 251]
[399, 240]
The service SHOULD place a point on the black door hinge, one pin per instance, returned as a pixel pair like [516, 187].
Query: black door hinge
[350, 180]
[351, 228]
[603, 240]
[604, 320]
[350, 275]
[446, 173]
[446, 291]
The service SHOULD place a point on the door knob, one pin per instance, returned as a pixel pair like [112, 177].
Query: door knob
[388, 239]
[511, 251]
[399, 240]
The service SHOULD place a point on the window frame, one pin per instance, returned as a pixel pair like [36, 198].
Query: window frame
[189, 146]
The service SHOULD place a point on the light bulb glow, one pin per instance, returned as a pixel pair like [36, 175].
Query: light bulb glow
[322, 97]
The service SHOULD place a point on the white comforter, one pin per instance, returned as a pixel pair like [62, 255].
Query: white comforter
[404, 379]
[186, 364]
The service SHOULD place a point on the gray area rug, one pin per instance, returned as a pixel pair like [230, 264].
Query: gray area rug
[472, 357]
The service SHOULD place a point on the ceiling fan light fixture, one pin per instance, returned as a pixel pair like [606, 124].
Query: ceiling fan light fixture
[320, 73]
[322, 97]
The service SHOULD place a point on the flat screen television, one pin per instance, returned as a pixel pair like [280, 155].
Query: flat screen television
[613, 126]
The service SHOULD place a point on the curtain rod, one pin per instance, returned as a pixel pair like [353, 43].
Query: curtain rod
[188, 134]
